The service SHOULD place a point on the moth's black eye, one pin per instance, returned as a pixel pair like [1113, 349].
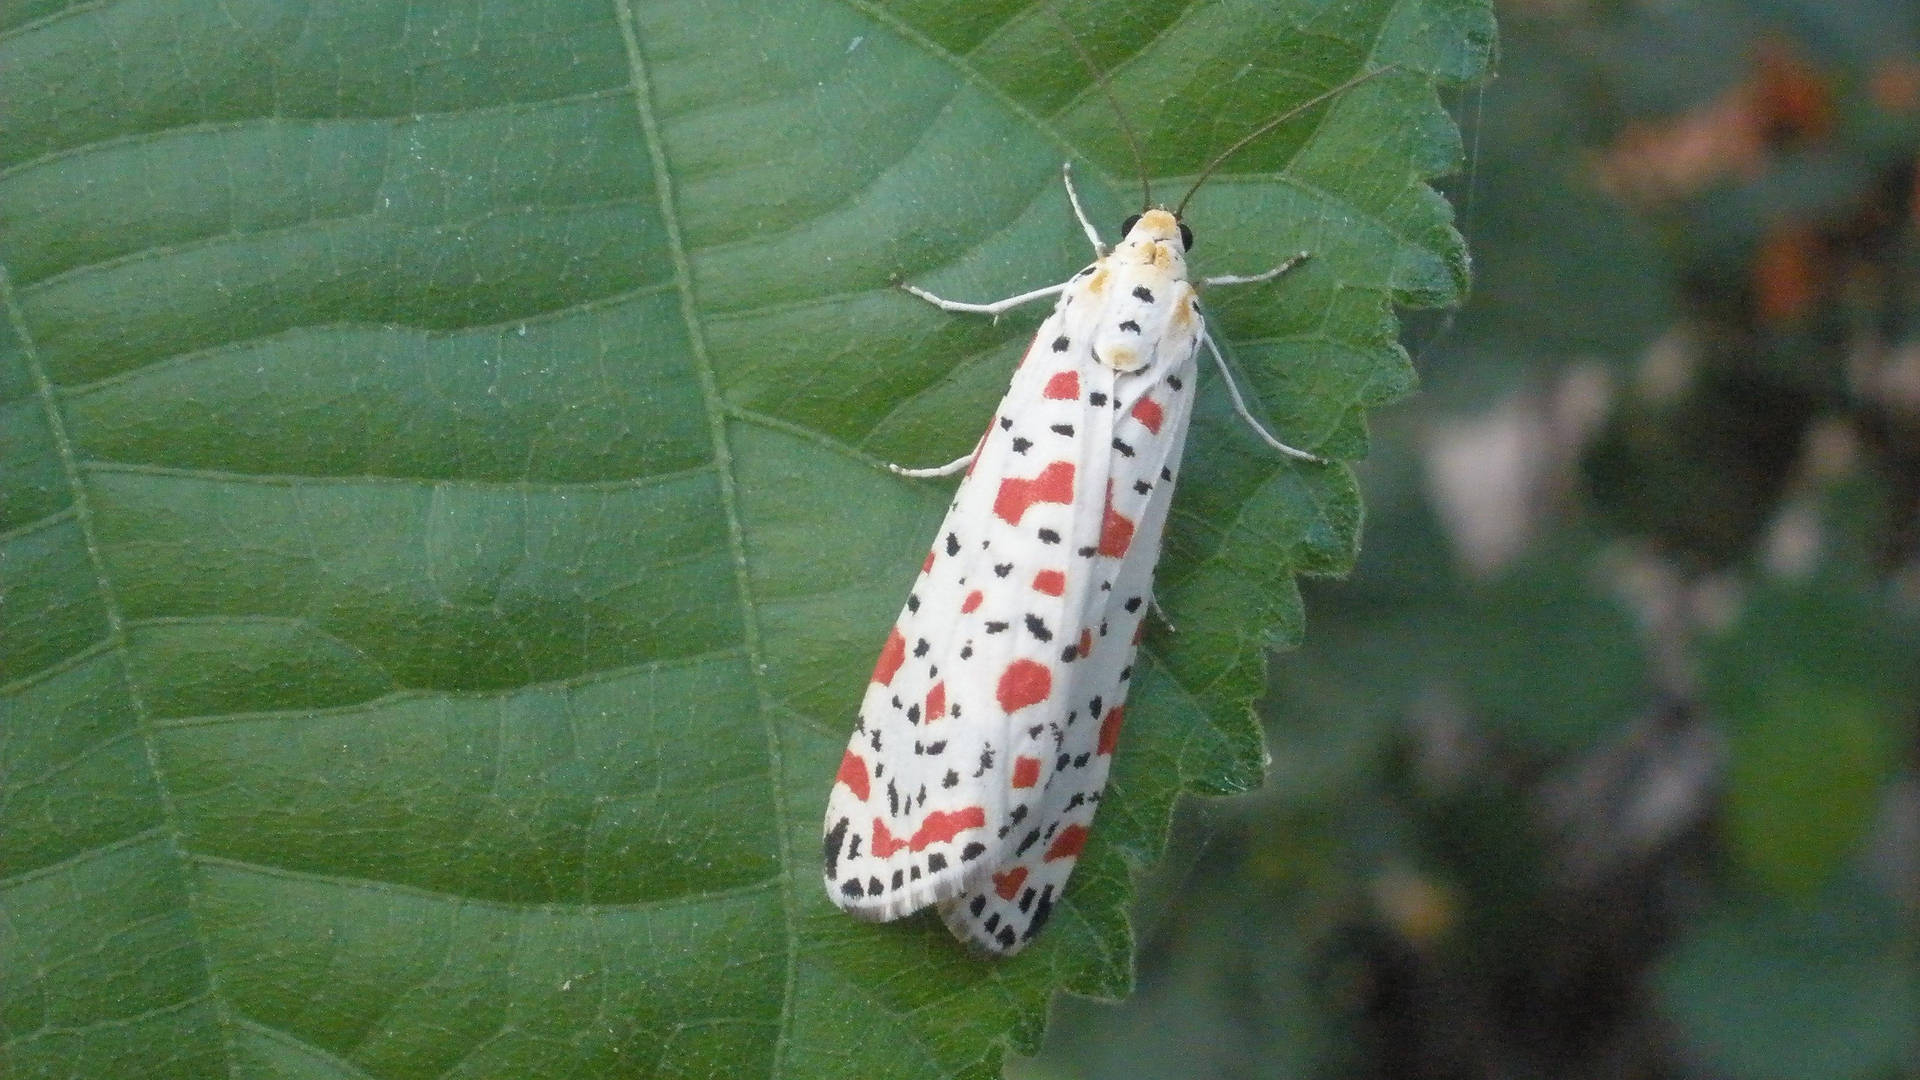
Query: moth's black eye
[1127, 225]
[1186, 237]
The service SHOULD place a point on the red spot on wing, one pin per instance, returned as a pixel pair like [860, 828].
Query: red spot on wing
[971, 603]
[1053, 485]
[928, 565]
[1064, 386]
[1051, 582]
[1086, 643]
[1024, 683]
[937, 702]
[1026, 772]
[941, 826]
[1007, 883]
[892, 655]
[1110, 729]
[1068, 843]
[1149, 413]
[1116, 530]
[853, 773]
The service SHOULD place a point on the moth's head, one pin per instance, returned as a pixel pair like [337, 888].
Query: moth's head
[1157, 237]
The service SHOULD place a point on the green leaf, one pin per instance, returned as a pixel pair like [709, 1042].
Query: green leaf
[1816, 686]
[441, 536]
[1812, 988]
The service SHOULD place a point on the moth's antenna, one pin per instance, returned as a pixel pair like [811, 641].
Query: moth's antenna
[1274, 123]
[1126, 131]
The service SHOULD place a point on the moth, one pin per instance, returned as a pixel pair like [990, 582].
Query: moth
[983, 743]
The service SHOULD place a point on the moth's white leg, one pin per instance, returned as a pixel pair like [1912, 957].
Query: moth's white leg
[994, 309]
[1164, 617]
[1248, 279]
[1240, 406]
[1093, 234]
[948, 469]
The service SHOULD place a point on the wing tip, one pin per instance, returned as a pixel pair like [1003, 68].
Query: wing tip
[963, 924]
[890, 904]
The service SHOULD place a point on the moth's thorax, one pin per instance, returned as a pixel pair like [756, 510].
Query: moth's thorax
[1134, 307]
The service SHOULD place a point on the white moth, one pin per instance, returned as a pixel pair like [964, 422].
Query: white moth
[983, 742]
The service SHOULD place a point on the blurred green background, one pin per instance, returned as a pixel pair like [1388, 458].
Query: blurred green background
[1606, 761]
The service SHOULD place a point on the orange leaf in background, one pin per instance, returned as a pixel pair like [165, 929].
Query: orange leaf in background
[1728, 137]
[1895, 85]
[1793, 99]
[1786, 273]
[1655, 162]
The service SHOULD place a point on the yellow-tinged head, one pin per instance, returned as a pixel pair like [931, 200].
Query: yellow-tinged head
[1157, 238]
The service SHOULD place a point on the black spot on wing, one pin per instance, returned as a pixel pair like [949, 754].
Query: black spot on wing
[1041, 912]
[830, 848]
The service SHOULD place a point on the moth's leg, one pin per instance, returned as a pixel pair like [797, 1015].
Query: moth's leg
[1093, 234]
[994, 309]
[1240, 406]
[948, 469]
[1248, 279]
[1164, 617]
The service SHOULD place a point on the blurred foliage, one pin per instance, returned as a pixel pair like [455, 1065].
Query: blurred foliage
[1606, 762]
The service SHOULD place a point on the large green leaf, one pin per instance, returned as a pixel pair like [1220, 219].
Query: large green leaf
[443, 542]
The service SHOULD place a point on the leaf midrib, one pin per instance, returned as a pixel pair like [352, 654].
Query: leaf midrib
[115, 642]
[715, 406]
